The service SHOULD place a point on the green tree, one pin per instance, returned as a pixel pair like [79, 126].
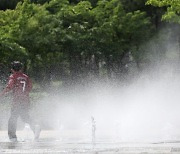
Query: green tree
[171, 15]
[77, 22]
[80, 39]
[153, 12]
[35, 30]
[173, 9]
[9, 49]
[120, 33]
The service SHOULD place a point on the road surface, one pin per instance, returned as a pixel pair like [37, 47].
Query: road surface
[51, 143]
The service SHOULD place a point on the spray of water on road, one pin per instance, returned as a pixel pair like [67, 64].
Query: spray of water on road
[146, 109]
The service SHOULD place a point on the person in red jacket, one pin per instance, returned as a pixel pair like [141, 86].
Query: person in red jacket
[20, 85]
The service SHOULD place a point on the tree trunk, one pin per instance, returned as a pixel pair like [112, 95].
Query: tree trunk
[108, 66]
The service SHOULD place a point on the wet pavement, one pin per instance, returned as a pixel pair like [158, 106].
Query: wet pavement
[51, 143]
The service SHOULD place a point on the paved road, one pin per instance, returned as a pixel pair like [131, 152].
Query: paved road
[51, 144]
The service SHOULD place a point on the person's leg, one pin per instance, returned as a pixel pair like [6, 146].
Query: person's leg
[12, 123]
[26, 119]
[24, 114]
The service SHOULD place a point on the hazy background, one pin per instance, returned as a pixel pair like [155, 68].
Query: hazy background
[145, 109]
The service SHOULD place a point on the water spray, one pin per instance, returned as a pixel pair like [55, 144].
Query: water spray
[93, 130]
[117, 132]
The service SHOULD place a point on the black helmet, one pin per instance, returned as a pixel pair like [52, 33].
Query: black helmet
[16, 65]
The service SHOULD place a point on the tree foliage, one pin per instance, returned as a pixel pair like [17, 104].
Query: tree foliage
[173, 9]
[73, 40]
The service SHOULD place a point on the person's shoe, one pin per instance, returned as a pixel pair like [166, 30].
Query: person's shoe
[13, 139]
[37, 132]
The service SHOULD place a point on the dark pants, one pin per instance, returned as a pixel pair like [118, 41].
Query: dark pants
[18, 110]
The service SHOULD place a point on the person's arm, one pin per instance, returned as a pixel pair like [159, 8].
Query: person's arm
[9, 87]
